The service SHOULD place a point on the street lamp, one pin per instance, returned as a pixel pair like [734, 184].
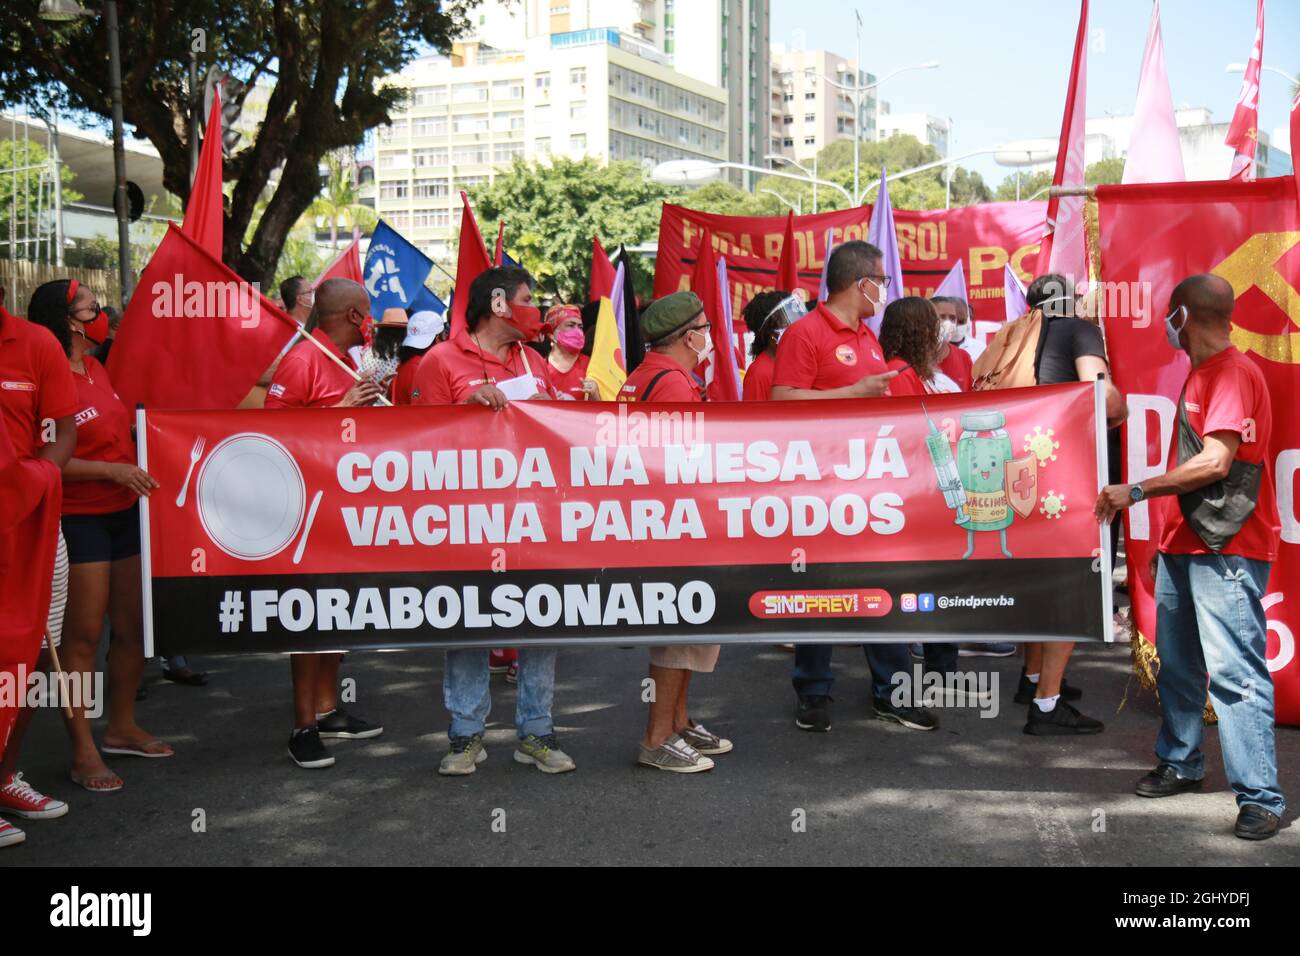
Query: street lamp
[857, 89]
[1030, 152]
[812, 174]
[62, 11]
[692, 172]
[1241, 68]
[797, 205]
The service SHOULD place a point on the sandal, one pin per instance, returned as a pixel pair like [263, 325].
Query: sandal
[88, 783]
[186, 675]
[151, 749]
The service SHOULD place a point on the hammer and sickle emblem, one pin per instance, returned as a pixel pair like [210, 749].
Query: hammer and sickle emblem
[1253, 264]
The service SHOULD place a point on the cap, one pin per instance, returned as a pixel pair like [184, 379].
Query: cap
[665, 316]
[423, 328]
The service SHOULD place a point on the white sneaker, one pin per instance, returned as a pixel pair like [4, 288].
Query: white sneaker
[22, 800]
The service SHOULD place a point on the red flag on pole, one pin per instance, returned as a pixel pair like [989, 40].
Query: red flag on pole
[194, 335]
[722, 383]
[346, 266]
[602, 272]
[205, 215]
[471, 262]
[787, 271]
[1063, 248]
[1243, 134]
[501, 244]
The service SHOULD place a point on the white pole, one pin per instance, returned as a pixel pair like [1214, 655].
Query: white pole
[857, 109]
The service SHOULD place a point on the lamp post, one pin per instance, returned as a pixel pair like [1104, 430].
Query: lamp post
[689, 172]
[1241, 68]
[61, 11]
[797, 205]
[857, 89]
[811, 174]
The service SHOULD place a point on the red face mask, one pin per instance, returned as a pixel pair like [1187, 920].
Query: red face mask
[368, 331]
[526, 319]
[96, 330]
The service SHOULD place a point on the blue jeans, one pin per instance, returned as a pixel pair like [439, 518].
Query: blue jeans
[1209, 618]
[812, 667]
[468, 697]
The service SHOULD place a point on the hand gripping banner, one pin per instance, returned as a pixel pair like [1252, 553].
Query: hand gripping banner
[951, 517]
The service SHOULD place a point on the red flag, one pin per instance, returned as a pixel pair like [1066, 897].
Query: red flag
[195, 335]
[205, 215]
[471, 262]
[787, 271]
[501, 244]
[722, 384]
[346, 266]
[1063, 247]
[1243, 133]
[602, 272]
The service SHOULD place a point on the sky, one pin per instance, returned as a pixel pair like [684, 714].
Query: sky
[1005, 64]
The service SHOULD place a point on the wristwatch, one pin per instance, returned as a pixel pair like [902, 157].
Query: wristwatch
[1135, 492]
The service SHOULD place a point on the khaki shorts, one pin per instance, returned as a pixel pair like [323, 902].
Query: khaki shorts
[686, 657]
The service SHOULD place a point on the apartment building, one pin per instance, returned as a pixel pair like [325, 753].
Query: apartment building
[810, 107]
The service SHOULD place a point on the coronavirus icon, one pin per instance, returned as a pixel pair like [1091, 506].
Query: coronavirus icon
[1041, 445]
[1053, 505]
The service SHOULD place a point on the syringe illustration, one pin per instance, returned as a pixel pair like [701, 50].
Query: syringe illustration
[945, 470]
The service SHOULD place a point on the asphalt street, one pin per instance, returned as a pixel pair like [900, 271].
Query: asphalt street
[976, 791]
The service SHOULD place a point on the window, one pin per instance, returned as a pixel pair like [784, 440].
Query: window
[505, 152]
[430, 188]
[508, 90]
[578, 75]
[542, 117]
[398, 189]
[788, 141]
[471, 123]
[787, 97]
[810, 140]
[435, 156]
[512, 122]
[542, 145]
[810, 95]
[469, 93]
[469, 156]
[430, 96]
[396, 159]
[810, 117]
[787, 120]
[578, 141]
[430, 218]
[542, 83]
[395, 131]
[429, 126]
[578, 110]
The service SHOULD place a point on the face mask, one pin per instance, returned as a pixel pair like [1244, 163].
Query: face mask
[958, 334]
[946, 327]
[1171, 333]
[526, 319]
[571, 339]
[877, 305]
[702, 354]
[96, 330]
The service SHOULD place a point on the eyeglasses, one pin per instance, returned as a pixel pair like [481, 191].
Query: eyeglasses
[882, 281]
[93, 308]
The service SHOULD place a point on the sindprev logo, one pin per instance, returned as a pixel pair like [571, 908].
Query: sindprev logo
[847, 602]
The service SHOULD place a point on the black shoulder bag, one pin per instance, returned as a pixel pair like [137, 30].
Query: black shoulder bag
[1217, 511]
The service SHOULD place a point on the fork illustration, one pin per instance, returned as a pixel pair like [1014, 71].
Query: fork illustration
[195, 454]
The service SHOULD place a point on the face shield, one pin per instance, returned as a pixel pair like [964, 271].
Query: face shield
[786, 312]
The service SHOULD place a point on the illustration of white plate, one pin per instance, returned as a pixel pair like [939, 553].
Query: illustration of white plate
[251, 496]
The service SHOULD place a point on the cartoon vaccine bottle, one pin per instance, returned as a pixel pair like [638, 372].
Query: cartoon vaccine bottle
[983, 451]
[945, 470]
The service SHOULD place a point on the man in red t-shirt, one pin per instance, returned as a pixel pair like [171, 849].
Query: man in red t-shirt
[1210, 614]
[832, 353]
[487, 363]
[307, 378]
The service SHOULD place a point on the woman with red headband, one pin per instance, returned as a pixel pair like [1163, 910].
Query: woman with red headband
[568, 363]
[101, 522]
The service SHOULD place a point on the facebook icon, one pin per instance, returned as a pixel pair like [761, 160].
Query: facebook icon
[925, 602]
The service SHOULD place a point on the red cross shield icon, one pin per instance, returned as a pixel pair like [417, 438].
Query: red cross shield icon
[1022, 484]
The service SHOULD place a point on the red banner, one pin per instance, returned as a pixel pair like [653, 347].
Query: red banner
[1151, 238]
[555, 523]
[985, 237]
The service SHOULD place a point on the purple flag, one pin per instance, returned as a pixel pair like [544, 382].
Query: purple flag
[822, 292]
[954, 283]
[616, 299]
[1014, 290]
[882, 235]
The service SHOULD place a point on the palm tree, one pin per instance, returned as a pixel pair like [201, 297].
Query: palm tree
[338, 201]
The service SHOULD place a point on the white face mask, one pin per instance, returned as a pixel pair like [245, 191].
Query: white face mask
[1171, 331]
[958, 334]
[946, 330]
[877, 305]
[704, 353]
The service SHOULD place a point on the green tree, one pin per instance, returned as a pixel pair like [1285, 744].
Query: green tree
[551, 211]
[1100, 173]
[326, 58]
[339, 202]
[1105, 172]
[724, 199]
[25, 189]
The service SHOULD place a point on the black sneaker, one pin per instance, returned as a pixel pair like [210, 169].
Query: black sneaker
[339, 724]
[1165, 782]
[1255, 823]
[1026, 688]
[1061, 719]
[814, 713]
[918, 718]
[307, 751]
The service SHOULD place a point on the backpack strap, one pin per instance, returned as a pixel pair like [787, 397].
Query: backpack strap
[645, 395]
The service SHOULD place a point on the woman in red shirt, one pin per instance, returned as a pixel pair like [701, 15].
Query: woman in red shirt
[101, 491]
[568, 364]
[910, 336]
[767, 316]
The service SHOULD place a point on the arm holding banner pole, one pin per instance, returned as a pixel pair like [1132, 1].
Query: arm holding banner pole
[1103, 476]
[146, 562]
[302, 330]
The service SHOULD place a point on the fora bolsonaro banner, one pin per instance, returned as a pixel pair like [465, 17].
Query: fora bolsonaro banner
[952, 516]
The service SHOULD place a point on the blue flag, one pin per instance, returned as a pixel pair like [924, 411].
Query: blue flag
[426, 301]
[395, 270]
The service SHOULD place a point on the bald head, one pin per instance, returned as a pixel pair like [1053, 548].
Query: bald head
[1208, 299]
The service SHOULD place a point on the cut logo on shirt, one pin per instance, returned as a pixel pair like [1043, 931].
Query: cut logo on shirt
[846, 354]
[86, 415]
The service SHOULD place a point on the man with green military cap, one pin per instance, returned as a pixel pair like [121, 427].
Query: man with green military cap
[677, 338]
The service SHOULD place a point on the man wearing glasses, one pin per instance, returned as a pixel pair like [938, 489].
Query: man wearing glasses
[833, 353]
